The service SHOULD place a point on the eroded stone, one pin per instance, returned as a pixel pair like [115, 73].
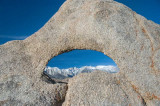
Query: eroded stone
[102, 25]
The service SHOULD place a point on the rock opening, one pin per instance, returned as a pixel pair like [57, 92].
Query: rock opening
[69, 64]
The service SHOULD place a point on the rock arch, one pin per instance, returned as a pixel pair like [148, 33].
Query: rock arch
[129, 39]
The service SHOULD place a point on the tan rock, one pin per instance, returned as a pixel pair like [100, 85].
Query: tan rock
[102, 89]
[129, 39]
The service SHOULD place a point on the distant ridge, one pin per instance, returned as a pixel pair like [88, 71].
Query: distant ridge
[55, 72]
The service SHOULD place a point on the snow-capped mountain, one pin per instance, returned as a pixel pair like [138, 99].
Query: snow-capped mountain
[55, 72]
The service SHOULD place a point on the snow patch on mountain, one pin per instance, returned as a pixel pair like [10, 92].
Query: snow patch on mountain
[55, 72]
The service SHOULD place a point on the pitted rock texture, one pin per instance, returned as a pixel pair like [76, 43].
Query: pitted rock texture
[129, 39]
[102, 89]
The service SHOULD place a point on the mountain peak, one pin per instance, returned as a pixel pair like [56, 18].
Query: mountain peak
[53, 71]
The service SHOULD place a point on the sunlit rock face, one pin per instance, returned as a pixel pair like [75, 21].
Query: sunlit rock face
[129, 39]
[108, 90]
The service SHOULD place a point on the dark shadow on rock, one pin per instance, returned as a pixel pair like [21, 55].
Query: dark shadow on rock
[47, 78]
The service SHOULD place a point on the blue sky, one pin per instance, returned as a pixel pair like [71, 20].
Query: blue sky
[79, 58]
[21, 18]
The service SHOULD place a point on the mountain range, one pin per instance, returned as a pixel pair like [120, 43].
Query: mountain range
[55, 72]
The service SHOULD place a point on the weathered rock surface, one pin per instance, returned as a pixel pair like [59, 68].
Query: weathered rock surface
[102, 89]
[129, 39]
